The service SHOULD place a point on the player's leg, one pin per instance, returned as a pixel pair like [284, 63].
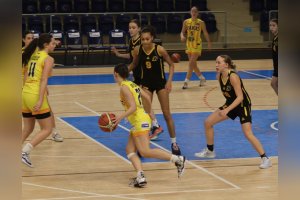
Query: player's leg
[188, 73]
[194, 58]
[274, 84]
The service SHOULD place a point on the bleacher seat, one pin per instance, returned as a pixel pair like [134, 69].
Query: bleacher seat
[56, 23]
[30, 6]
[143, 20]
[174, 23]
[256, 5]
[95, 42]
[122, 22]
[159, 22]
[71, 22]
[47, 6]
[81, 6]
[118, 39]
[132, 5]
[88, 23]
[264, 21]
[64, 6]
[24, 28]
[166, 5]
[182, 5]
[272, 4]
[59, 35]
[98, 5]
[35, 23]
[149, 5]
[115, 5]
[106, 23]
[74, 42]
[210, 21]
[201, 4]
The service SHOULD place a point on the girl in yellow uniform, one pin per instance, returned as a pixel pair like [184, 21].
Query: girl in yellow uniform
[34, 98]
[138, 140]
[191, 34]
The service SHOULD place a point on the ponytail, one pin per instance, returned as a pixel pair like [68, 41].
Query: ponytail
[28, 51]
[229, 61]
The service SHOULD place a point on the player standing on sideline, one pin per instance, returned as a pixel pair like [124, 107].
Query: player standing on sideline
[138, 140]
[27, 38]
[150, 57]
[237, 103]
[274, 31]
[135, 40]
[34, 94]
[191, 34]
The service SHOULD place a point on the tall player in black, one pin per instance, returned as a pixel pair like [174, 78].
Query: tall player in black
[135, 40]
[150, 57]
[237, 103]
[274, 31]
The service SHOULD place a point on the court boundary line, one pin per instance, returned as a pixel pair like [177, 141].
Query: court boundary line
[255, 74]
[153, 143]
[273, 126]
[80, 192]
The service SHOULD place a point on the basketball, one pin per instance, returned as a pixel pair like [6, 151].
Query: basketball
[105, 122]
[175, 57]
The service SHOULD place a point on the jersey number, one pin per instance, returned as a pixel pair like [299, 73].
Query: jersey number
[148, 64]
[31, 69]
[138, 91]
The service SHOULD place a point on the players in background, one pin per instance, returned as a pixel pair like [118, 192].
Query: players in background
[135, 40]
[34, 94]
[191, 34]
[237, 103]
[150, 58]
[274, 31]
[138, 140]
[27, 38]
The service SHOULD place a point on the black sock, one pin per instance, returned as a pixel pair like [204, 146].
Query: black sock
[210, 147]
[263, 155]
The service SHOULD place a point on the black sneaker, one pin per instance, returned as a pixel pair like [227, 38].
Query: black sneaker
[175, 149]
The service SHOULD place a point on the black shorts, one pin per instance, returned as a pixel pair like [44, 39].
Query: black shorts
[275, 72]
[137, 80]
[154, 86]
[38, 116]
[244, 113]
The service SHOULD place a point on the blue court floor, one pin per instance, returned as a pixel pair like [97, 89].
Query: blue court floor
[229, 139]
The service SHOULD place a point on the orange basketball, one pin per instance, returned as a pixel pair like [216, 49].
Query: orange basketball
[175, 57]
[105, 122]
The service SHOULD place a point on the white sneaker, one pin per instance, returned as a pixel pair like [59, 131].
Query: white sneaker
[26, 159]
[205, 153]
[265, 163]
[57, 137]
[202, 81]
[139, 182]
[180, 165]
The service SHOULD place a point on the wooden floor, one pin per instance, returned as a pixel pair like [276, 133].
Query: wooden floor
[80, 168]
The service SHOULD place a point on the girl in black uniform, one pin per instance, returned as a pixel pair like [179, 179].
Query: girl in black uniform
[274, 30]
[135, 40]
[237, 103]
[150, 58]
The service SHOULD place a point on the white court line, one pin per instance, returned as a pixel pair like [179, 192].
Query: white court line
[80, 192]
[196, 166]
[262, 76]
[273, 126]
[73, 156]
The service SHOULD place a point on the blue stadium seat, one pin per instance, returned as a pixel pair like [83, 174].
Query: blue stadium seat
[24, 28]
[98, 5]
[36, 34]
[30, 6]
[256, 5]
[159, 22]
[118, 39]
[166, 5]
[201, 4]
[122, 22]
[182, 5]
[95, 42]
[59, 35]
[106, 23]
[81, 6]
[143, 20]
[115, 5]
[174, 23]
[56, 23]
[88, 23]
[149, 5]
[64, 6]
[132, 5]
[71, 22]
[36, 23]
[74, 42]
[47, 6]
[264, 21]
[272, 4]
[210, 21]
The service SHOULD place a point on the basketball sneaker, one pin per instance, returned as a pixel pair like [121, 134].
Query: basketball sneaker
[180, 165]
[139, 181]
[57, 137]
[202, 81]
[185, 85]
[205, 153]
[26, 159]
[175, 149]
[265, 163]
[155, 132]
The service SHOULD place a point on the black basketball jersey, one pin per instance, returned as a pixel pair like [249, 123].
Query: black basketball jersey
[152, 66]
[229, 93]
[137, 70]
[275, 50]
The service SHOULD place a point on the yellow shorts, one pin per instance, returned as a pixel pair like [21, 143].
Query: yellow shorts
[141, 127]
[194, 49]
[29, 101]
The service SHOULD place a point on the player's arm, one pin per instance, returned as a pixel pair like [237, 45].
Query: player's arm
[165, 55]
[120, 55]
[48, 65]
[146, 101]
[25, 74]
[206, 35]
[134, 62]
[183, 32]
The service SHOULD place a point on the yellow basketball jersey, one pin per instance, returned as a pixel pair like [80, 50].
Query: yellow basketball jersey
[35, 69]
[193, 32]
[140, 113]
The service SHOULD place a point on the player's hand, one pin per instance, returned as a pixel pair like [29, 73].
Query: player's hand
[209, 45]
[223, 113]
[37, 106]
[116, 52]
[116, 121]
[182, 38]
[168, 86]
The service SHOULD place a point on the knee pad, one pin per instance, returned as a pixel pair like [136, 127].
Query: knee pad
[130, 155]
